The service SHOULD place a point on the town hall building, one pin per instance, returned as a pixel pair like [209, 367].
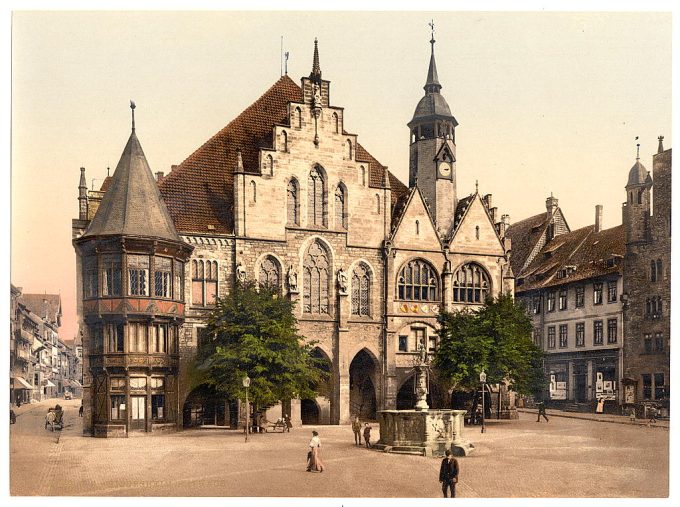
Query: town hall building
[284, 194]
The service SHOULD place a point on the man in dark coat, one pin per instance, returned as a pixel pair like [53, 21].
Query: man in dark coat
[448, 474]
[541, 411]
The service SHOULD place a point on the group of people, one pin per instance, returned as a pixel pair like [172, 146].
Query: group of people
[356, 428]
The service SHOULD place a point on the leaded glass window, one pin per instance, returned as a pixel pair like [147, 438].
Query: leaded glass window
[317, 206]
[110, 269]
[417, 281]
[316, 280]
[138, 275]
[203, 282]
[270, 273]
[470, 284]
[162, 277]
[293, 203]
[90, 285]
[361, 290]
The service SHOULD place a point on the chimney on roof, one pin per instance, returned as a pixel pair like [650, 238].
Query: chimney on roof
[487, 201]
[551, 204]
[173, 167]
[159, 175]
[660, 144]
[598, 218]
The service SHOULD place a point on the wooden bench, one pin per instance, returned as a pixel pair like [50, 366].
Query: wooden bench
[276, 425]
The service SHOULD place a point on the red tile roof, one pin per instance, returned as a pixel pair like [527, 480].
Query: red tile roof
[587, 253]
[523, 236]
[199, 191]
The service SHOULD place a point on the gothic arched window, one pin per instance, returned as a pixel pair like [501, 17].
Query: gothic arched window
[362, 170]
[341, 207]
[316, 290]
[318, 206]
[361, 290]
[349, 149]
[270, 272]
[336, 123]
[659, 270]
[253, 191]
[297, 118]
[470, 284]
[293, 203]
[652, 271]
[284, 140]
[418, 281]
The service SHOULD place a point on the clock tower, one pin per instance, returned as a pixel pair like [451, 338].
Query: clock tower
[432, 166]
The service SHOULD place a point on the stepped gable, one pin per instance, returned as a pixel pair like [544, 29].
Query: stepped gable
[523, 236]
[132, 205]
[199, 192]
[587, 253]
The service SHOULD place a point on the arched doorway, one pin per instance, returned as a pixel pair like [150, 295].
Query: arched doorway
[362, 374]
[205, 407]
[309, 410]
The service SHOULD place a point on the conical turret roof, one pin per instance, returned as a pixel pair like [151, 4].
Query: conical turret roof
[638, 174]
[133, 205]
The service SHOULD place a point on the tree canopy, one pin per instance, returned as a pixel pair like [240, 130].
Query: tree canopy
[496, 339]
[253, 331]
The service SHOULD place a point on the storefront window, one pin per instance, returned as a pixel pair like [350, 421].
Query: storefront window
[157, 406]
[117, 407]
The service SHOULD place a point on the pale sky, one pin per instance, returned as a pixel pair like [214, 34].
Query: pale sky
[547, 102]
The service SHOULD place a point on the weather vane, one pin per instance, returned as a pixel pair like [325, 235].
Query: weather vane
[431, 25]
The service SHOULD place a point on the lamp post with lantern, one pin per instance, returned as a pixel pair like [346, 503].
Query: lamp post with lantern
[482, 380]
[246, 384]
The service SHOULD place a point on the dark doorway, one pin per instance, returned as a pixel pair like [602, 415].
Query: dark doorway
[204, 407]
[309, 410]
[362, 399]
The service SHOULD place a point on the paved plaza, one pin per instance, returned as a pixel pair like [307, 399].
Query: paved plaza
[566, 457]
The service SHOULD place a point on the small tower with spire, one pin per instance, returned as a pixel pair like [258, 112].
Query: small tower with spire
[636, 209]
[314, 88]
[82, 196]
[432, 165]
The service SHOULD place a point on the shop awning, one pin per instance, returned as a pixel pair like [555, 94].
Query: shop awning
[66, 383]
[75, 383]
[50, 384]
[20, 383]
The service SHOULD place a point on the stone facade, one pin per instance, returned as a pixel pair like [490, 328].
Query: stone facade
[285, 195]
[647, 282]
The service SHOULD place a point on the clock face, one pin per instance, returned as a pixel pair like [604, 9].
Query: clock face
[445, 169]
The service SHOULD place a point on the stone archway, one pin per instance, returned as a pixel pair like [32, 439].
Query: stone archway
[205, 407]
[362, 388]
[310, 412]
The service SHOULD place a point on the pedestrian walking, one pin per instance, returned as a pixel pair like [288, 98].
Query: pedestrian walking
[652, 415]
[448, 474]
[286, 420]
[367, 435]
[314, 463]
[541, 411]
[80, 410]
[356, 428]
[18, 402]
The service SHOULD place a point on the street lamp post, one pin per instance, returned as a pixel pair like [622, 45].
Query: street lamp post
[482, 380]
[246, 384]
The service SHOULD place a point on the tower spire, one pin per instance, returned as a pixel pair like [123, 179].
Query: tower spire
[315, 76]
[432, 85]
[132, 106]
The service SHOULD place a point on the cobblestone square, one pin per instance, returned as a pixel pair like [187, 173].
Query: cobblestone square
[566, 457]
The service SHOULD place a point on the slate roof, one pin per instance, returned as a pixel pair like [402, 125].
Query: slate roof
[587, 253]
[523, 236]
[132, 205]
[42, 304]
[638, 174]
[199, 191]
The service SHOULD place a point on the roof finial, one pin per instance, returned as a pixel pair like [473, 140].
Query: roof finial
[316, 68]
[660, 144]
[132, 106]
[108, 171]
[432, 84]
[637, 157]
[432, 41]
[476, 186]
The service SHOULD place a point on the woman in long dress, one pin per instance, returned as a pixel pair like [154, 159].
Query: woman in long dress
[314, 463]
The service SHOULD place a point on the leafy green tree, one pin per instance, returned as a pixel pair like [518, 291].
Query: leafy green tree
[496, 339]
[253, 332]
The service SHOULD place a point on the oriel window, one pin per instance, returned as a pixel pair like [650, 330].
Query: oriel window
[138, 275]
[162, 277]
[110, 269]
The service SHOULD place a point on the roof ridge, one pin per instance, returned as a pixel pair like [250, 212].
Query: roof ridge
[238, 118]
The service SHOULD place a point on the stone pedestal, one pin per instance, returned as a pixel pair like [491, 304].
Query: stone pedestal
[424, 432]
